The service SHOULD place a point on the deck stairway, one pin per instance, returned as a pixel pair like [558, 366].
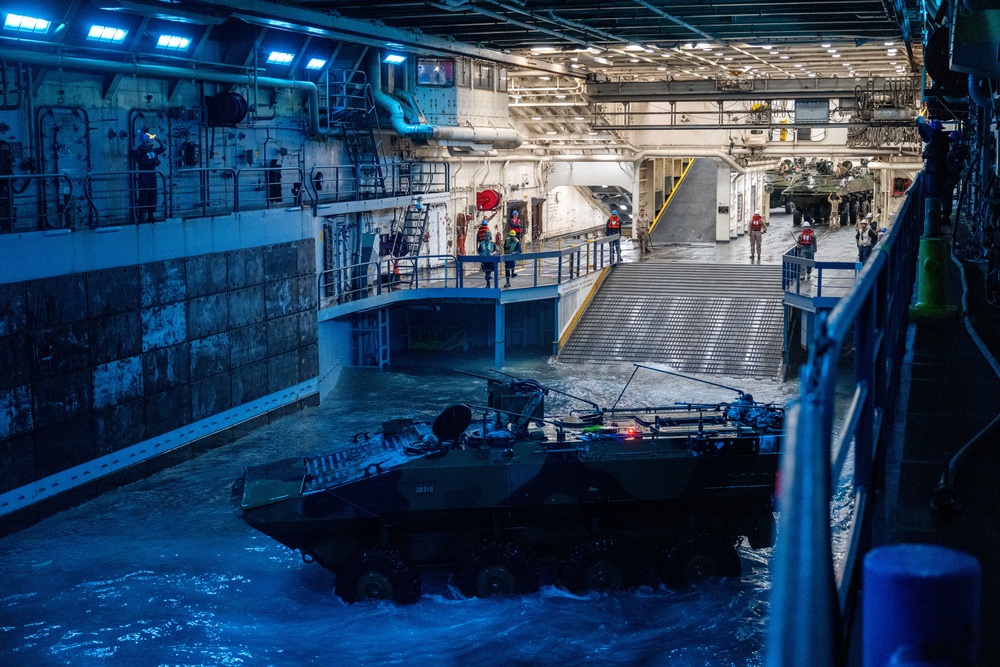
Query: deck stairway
[349, 105]
[719, 319]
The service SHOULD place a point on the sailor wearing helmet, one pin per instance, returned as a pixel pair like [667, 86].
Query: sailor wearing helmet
[807, 245]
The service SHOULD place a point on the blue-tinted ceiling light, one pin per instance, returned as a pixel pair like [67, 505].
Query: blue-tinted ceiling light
[279, 58]
[20, 23]
[315, 63]
[394, 59]
[105, 35]
[172, 43]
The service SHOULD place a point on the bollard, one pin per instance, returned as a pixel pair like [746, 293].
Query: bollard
[920, 606]
[931, 280]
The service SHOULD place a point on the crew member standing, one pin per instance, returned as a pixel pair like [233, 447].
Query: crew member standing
[807, 245]
[642, 232]
[147, 159]
[612, 227]
[511, 247]
[756, 233]
[515, 223]
[834, 200]
[865, 238]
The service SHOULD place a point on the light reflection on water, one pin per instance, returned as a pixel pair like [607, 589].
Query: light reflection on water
[161, 573]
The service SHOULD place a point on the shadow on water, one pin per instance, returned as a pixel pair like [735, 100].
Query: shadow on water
[161, 572]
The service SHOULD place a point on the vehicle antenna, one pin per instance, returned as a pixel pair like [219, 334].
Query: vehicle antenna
[686, 377]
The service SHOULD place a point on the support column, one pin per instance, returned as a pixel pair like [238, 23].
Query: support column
[499, 335]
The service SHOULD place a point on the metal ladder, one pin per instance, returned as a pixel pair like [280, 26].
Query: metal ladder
[370, 339]
[349, 104]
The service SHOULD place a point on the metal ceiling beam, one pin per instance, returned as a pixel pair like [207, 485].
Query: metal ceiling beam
[709, 91]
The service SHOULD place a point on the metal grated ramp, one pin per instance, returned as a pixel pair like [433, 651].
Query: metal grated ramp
[719, 319]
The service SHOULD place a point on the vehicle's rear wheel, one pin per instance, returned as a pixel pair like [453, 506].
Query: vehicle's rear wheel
[788, 208]
[796, 217]
[496, 568]
[694, 557]
[600, 564]
[378, 574]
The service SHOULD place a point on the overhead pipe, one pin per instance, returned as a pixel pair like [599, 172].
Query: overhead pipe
[501, 138]
[60, 61]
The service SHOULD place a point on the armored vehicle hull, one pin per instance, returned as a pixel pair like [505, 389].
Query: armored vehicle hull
[809, 193]
[606, 498]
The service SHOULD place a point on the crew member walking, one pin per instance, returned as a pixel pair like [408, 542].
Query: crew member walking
[486, 248]
[642, 232]
[865, 238]
[511, 247]
[612, 227]
[807, 245]
[756, 233]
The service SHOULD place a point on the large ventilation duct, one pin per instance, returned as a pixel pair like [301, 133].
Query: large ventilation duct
[167, 72]
[477, 138]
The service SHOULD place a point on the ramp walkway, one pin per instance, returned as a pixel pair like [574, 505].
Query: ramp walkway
[690, 215]
[720, 319]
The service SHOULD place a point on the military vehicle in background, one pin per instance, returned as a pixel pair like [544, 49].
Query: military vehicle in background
[613, 497]
[812, 184]
[776, 182]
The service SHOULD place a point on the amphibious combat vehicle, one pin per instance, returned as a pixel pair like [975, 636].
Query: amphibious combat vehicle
[612, 496]
[810, 187]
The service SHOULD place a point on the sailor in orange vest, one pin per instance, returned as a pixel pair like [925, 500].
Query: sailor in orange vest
[807, 245]
[756, 233]
[515, 223]
[614, 226]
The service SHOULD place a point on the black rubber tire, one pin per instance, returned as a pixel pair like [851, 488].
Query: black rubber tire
[377, 574]
[788, 208]
[694, 557]
[796, 217]
[496, 568]
[600, 564]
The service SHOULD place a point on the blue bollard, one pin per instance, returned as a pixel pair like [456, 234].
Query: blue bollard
[920, 606]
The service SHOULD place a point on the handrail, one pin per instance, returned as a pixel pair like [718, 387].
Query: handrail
[36, 202]
[358, 182]
[547, 267]
[115, 191]
[812, 603]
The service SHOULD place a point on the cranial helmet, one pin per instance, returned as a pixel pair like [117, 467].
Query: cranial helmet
[955, 136]
[935, 124]
[515, 212]
[757, 212]
[614, 212]
[513, 233]
[869, 216]
[806, 224]
[485, 222]
[884, 229]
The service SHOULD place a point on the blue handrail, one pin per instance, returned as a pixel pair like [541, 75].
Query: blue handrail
[812, 603]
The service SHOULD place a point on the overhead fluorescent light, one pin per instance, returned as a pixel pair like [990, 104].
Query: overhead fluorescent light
[394, 59]
[20, 23]
[315, 63]
[106, 35]
[172, 43]
[279, 58]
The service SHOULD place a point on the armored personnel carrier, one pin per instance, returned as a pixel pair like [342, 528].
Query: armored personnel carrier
[611, 497]
[810, 187]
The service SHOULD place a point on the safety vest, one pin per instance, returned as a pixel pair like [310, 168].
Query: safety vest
[614, 222]
[756, 223]
[482, 232]
[807, 236]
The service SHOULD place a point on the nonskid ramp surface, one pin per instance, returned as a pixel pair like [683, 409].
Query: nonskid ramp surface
[716, 319]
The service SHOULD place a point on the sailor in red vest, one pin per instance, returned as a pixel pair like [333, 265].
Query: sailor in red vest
[614, 226]
[756, 232]
[807, 245]
[515, 223]
[483, 231]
